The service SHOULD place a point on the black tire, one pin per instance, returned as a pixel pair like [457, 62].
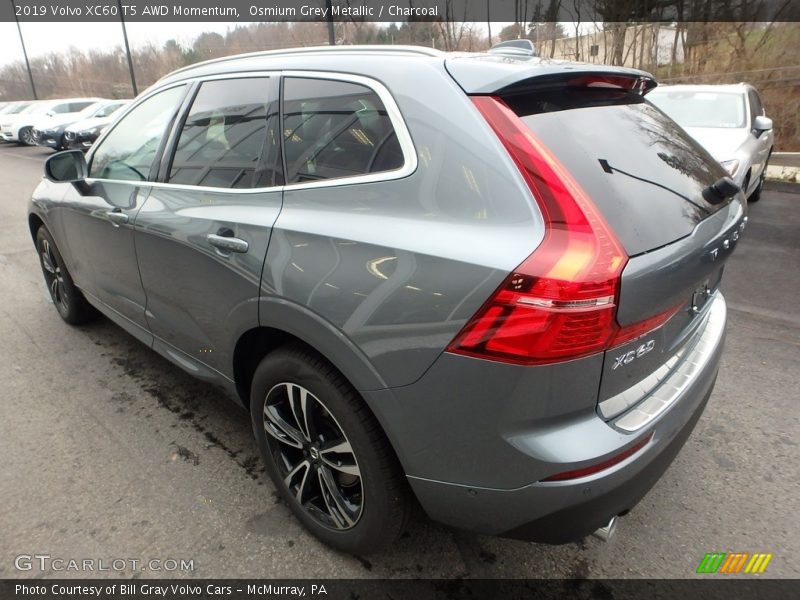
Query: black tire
[26, 137]
[68, 299]
[379, 495]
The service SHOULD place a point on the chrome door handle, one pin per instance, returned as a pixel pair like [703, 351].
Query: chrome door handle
[230, 244]
[117, 218]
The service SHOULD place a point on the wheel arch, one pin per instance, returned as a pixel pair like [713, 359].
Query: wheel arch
[34, 223]
[282, 322]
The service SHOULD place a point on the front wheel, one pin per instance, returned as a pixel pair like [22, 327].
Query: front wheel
[68, 299]
[26, 136]
[326, 454]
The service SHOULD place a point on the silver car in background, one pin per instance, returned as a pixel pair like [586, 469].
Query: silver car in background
[727, 120]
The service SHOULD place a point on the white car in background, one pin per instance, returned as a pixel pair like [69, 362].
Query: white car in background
[727, 120]
[19, 128]
[13, 108]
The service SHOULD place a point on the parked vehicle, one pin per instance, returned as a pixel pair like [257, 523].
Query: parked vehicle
[490, 282]
[730, 122]
[49, 132]
[83, 133]
[19, 128]
[11, 109]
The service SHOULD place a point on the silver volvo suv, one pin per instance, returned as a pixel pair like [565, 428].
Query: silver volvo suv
[486, 284]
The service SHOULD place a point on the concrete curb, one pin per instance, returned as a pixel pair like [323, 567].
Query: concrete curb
[781, 173]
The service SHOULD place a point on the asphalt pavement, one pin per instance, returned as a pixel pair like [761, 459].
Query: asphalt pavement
[111, 452]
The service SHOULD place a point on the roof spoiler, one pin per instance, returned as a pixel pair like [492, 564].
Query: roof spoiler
[506, 73]
[640, 83]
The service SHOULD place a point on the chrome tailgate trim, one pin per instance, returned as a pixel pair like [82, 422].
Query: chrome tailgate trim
[649, 398]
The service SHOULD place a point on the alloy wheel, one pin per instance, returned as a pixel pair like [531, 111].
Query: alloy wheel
[53, 276]
[314, 456]
[28, 137]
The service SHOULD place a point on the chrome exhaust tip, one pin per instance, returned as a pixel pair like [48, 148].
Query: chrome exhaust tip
[604, 533]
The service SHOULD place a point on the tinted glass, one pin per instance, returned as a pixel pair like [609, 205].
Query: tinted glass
[644, 173]
[701, 109]
[336, 129]
[128, 151]
[230, 137]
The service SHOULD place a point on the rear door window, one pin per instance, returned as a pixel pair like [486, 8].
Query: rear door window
[644, 172]
[334, 129]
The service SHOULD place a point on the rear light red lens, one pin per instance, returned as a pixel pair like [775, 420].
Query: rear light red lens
[607, 464]
[636, 330]
[607, 81]
[560, 302]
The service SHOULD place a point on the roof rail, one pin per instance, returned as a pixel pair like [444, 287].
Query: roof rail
[386, 48]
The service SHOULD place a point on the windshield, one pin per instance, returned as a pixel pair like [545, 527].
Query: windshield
[17, 108]
[723, 110]
[12, 109]
[30, 108]
[109, 109]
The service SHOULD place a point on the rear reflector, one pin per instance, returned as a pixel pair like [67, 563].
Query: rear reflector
[560, 302]
[606, 464]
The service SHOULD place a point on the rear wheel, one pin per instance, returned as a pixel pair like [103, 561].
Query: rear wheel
[68, 299]
[326, 454]
[26, 136]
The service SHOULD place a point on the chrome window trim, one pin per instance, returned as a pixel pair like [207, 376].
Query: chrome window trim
[410, 161]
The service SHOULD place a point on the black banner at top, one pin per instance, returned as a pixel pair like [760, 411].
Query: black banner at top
[523, 11]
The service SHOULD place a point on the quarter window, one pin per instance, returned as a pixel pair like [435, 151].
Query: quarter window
[336, 129]
[128, 151]
[230, 138]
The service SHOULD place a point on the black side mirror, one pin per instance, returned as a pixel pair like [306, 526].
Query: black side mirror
[66, 167]
[721, 190]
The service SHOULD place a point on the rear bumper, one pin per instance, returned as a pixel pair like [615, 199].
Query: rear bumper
[581, 518]
[564, 511]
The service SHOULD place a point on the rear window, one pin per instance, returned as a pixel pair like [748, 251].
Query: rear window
[644, 173]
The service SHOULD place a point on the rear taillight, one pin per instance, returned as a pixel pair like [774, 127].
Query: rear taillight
[560, 302]
[636, 330]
